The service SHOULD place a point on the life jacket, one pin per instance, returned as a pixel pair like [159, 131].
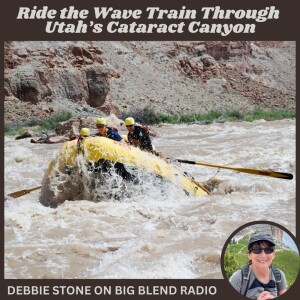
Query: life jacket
[114, 128]
[134, 141]
[246, 278]
[146, 128]
[140, 138]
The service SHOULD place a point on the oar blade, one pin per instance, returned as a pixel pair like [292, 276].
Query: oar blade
[282, 175]
[23, 192]
[269, 173]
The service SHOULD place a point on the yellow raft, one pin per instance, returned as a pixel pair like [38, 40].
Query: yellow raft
[95, 148]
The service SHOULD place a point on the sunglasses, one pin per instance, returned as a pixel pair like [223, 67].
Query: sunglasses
[100, 126]
[129, 126]
[267, 250]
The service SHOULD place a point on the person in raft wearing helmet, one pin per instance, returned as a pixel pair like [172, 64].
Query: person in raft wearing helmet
[125, 138]
[259, 279]
[138, 135]
[105, 166]
[109, 132]
[83, 133]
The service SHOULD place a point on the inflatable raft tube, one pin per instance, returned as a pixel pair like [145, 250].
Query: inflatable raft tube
[96, 148]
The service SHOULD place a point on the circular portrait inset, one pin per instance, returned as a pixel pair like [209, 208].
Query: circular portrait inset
[261, 260]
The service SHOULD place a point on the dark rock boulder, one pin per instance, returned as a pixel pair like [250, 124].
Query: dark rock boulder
[98, 86]
[28, 84]
[40, 75]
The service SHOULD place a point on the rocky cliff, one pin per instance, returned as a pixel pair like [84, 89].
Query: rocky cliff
[96, 78]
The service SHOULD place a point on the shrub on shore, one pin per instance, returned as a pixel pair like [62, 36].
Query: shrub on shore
[148, 116]
[48, 124]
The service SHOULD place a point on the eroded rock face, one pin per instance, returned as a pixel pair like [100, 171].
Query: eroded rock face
[227, 49]
[28, 84]
[119, 77]
[43, 75]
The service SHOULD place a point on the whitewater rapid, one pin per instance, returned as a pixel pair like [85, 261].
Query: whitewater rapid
[151, 235]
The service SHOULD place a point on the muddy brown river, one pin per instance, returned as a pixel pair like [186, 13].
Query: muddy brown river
[150, 234]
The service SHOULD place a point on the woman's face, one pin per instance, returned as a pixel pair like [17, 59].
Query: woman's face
[261, 259]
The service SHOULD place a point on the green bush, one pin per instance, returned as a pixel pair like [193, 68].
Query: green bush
[271, 115]
[234, 115]
[145, 115]
[211, 116]
[231, 263]
[42, 125]
[230, 116]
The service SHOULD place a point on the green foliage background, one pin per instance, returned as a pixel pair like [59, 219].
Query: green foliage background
[147, 115]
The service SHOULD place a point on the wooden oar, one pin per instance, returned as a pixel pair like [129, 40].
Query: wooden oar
[23, 192]
[243, 170]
